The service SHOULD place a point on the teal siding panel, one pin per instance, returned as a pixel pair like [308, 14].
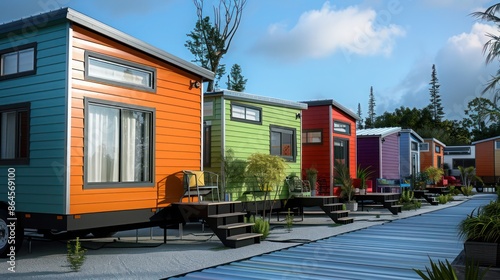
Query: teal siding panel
[40, 186]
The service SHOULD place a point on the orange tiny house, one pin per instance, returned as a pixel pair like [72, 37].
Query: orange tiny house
[96, 126]
[488, 159]
[328, 134]
[431, 153]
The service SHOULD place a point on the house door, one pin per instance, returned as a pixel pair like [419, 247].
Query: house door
[414, 164]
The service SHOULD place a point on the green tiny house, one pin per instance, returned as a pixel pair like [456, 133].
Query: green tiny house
[237, 125]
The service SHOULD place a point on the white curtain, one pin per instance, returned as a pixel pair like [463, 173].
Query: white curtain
[135, 146]
[103, 144]
[8, 133]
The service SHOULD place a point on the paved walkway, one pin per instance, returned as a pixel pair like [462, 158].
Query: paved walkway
[350, 249]
[387, 251]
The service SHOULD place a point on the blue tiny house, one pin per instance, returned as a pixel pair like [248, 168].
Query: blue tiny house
[409, 152]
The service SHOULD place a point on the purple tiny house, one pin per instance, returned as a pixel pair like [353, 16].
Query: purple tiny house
[378, 148]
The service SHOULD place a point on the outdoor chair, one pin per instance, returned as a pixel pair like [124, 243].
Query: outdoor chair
[200, 183]
[296, 185]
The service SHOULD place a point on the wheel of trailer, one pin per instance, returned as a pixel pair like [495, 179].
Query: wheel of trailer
[17, 235]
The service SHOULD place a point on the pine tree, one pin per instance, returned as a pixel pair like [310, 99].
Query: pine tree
[370, 120]
[236, 81]
[360, 121]
[435, 106]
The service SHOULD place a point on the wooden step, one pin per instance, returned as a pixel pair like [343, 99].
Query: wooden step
[236, 225]
[225, 215]
[244, 239]
[244, 236]
[338, 212]
[344, 220]
[333, 204]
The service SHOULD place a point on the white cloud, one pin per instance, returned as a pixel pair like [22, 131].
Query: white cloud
[461, 71]
[320, 33]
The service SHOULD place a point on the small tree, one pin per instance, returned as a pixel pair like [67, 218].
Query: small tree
[234, 171]
[269, 172]
[370, 120]
[236, 81]
[468, 175]
[360, 121]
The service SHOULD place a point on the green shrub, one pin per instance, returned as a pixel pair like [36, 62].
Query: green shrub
[260, 226]
[442, 199]
[406, 196]
[467, 190]
[76, 255]
[289, 220]
[445, 271]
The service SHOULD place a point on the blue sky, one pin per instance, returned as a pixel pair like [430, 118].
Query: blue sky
[315, 49]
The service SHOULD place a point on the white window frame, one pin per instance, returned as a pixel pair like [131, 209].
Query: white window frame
[246, 113]
[424, 147]
[130, 78]
[497, 145]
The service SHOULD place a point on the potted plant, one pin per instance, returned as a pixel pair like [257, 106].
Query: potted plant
[435, 174]
[312, 176]
[344, 179]
[481, 232]
[363, 175]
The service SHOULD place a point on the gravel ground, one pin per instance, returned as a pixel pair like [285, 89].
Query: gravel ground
[125, 256]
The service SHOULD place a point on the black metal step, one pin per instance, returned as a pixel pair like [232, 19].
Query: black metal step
[240, 240]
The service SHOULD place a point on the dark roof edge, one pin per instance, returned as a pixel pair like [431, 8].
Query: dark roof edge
[485, 140]
[67, 13]
[331, 102]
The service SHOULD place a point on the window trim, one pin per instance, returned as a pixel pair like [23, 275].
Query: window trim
[245, 119]
[17, 49]
[307, 131]
[437, 149]
[25, 106]
[123, 62]
[274, 128]
[414, 144]
[342, 123]
[118, 105]
[346, 149]
[423, 144]
[208, 104]
[497, 145]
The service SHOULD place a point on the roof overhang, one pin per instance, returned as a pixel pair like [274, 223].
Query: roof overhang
[41, 20]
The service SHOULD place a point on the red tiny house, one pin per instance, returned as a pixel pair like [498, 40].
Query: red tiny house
[329, 134]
